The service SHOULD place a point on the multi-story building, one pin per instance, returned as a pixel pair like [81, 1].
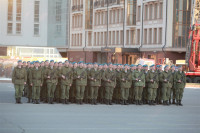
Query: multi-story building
[34, 23]
[120, 31]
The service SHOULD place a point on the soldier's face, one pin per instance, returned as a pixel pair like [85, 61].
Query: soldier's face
[42, 64]
[32, 65]
[67, 63]
[19, 63]
[24, 64]
[167, 68]
[81, 65]
[37, 64]
[75, 65]
[139, 67]
[126, 67]
[153, 68]
[56, 64]
[51, 63]
[60, 64]
[173, 68]
[95, 65]
[47, 63]
[180, 68]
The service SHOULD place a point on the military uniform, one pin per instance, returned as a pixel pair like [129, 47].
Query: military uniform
[117, 89]
[132, 90]
[58, 87]
[125, 84]
[94, 77]
[44, 90]
[19, 76]
[66, 83]
[152, 82]
[180, 75]
[173, 89]
[139, 84]
[145, 89]
[109, 77]
[159, 90]
[166, 85]
[73, 88]
[51, 82]
[102, 88]
[36, 79]
[81, 81]
[87, 94]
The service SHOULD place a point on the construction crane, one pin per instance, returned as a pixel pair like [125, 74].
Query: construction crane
[193, 46]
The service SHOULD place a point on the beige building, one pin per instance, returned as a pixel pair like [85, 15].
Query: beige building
[120, 31]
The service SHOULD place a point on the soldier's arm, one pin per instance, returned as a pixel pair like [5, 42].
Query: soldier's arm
[161, 76]
[148, 77]
[30, 77]
[42, 77]
[25, 78]
[104, 76]
[13, 76]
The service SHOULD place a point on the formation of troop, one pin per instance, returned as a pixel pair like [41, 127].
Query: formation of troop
[93, 83]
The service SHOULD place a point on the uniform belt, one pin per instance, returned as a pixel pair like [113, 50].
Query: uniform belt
[36, 79]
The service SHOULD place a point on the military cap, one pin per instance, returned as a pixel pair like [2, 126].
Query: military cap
[152, 65]
[66, 60]
[37, 61]
[41, 61]
[132, 65]
[126, 65]
[172, 66]
[28, 61]
[19, 61]
[179, 66]
[139, 65]
[166, 66]
[80, 62]
[51, 60]
[145, 65]
[24, 61]
[110, 63]
[32, 63]
[46, 60]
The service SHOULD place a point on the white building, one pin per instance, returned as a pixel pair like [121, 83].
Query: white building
[35, 23]
[148, 28]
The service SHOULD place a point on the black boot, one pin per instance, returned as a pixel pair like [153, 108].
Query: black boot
[110, 102]
[153, 102]
[16, 100]
[95, 101]
[167, 103]
[170, 101]
[126, 102]
[173, 101]
[63, 101]
[81, 101]
[180, 103]
[37, 101]
[140, 102]
[106, 101]
[29, 100]
[19, 101]
[92, 101]
[66, 101]
[51, 100]
[77, 101]
[177, 102]
[123, 102]
[149, 102]
[136, 102]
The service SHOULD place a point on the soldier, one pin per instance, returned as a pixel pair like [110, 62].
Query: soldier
[109, 78]
[159, 90]
[117, 89]
[139, 79]
[42, 64]
[102, 88]
[87, 88]
[145, 90]
[173, 89]
[125, 84]
[19, 79]
[25, 86]
[152, 82]
[81, 81]
[58, 87]
[44, 90]
[167, 80]
[94, 77]
[131, 90]
[36, 81]
[66, 75]
[29, 92]
[180, 80]
[73, 88]
[52, 80]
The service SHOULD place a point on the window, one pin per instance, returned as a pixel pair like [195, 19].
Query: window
[101, 38]
[160, 36]
[9, 28]
[36, 11]
[10, 10]
[105, 38]
[132, 37]
[131, 12]
[138, 37]
[36, 29]
[150, 12]
[145, 36]
[139, 13]
[89, 39]
[155, 36]
[18, 28]
[161, 10]
[150, 36]
[127, 37]
[58, 11]
[18, 12]
[121, 37]
[117, 38]
[146, 12]
[113, 38]
[58, 29]
[95, 39]
[155, 11]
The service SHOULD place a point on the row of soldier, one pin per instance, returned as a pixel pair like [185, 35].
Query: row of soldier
[66, 82]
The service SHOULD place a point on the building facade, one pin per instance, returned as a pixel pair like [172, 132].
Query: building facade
[121, 31]
[34, 23]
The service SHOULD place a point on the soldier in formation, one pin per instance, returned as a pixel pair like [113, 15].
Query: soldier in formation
[93, 83]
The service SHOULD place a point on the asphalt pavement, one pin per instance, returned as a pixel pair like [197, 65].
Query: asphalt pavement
[72, 118]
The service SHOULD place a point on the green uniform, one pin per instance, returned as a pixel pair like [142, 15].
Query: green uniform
[109, 78]
[102, 88]
[44, 90]
[145, 89]
[19, 76]
[117, 89]
[152, 83]
[159, 90]
[139, 84]
[51, 82]
[125, 84]
[81, 81]
[87, 94]
[26, 86]
[180, 85]
[67, 82]
[132, 90]
[94, 77]
[166, 85]
[73, 88]
[173, 89]
[36, 79]
[58, 86]
[29, 91]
